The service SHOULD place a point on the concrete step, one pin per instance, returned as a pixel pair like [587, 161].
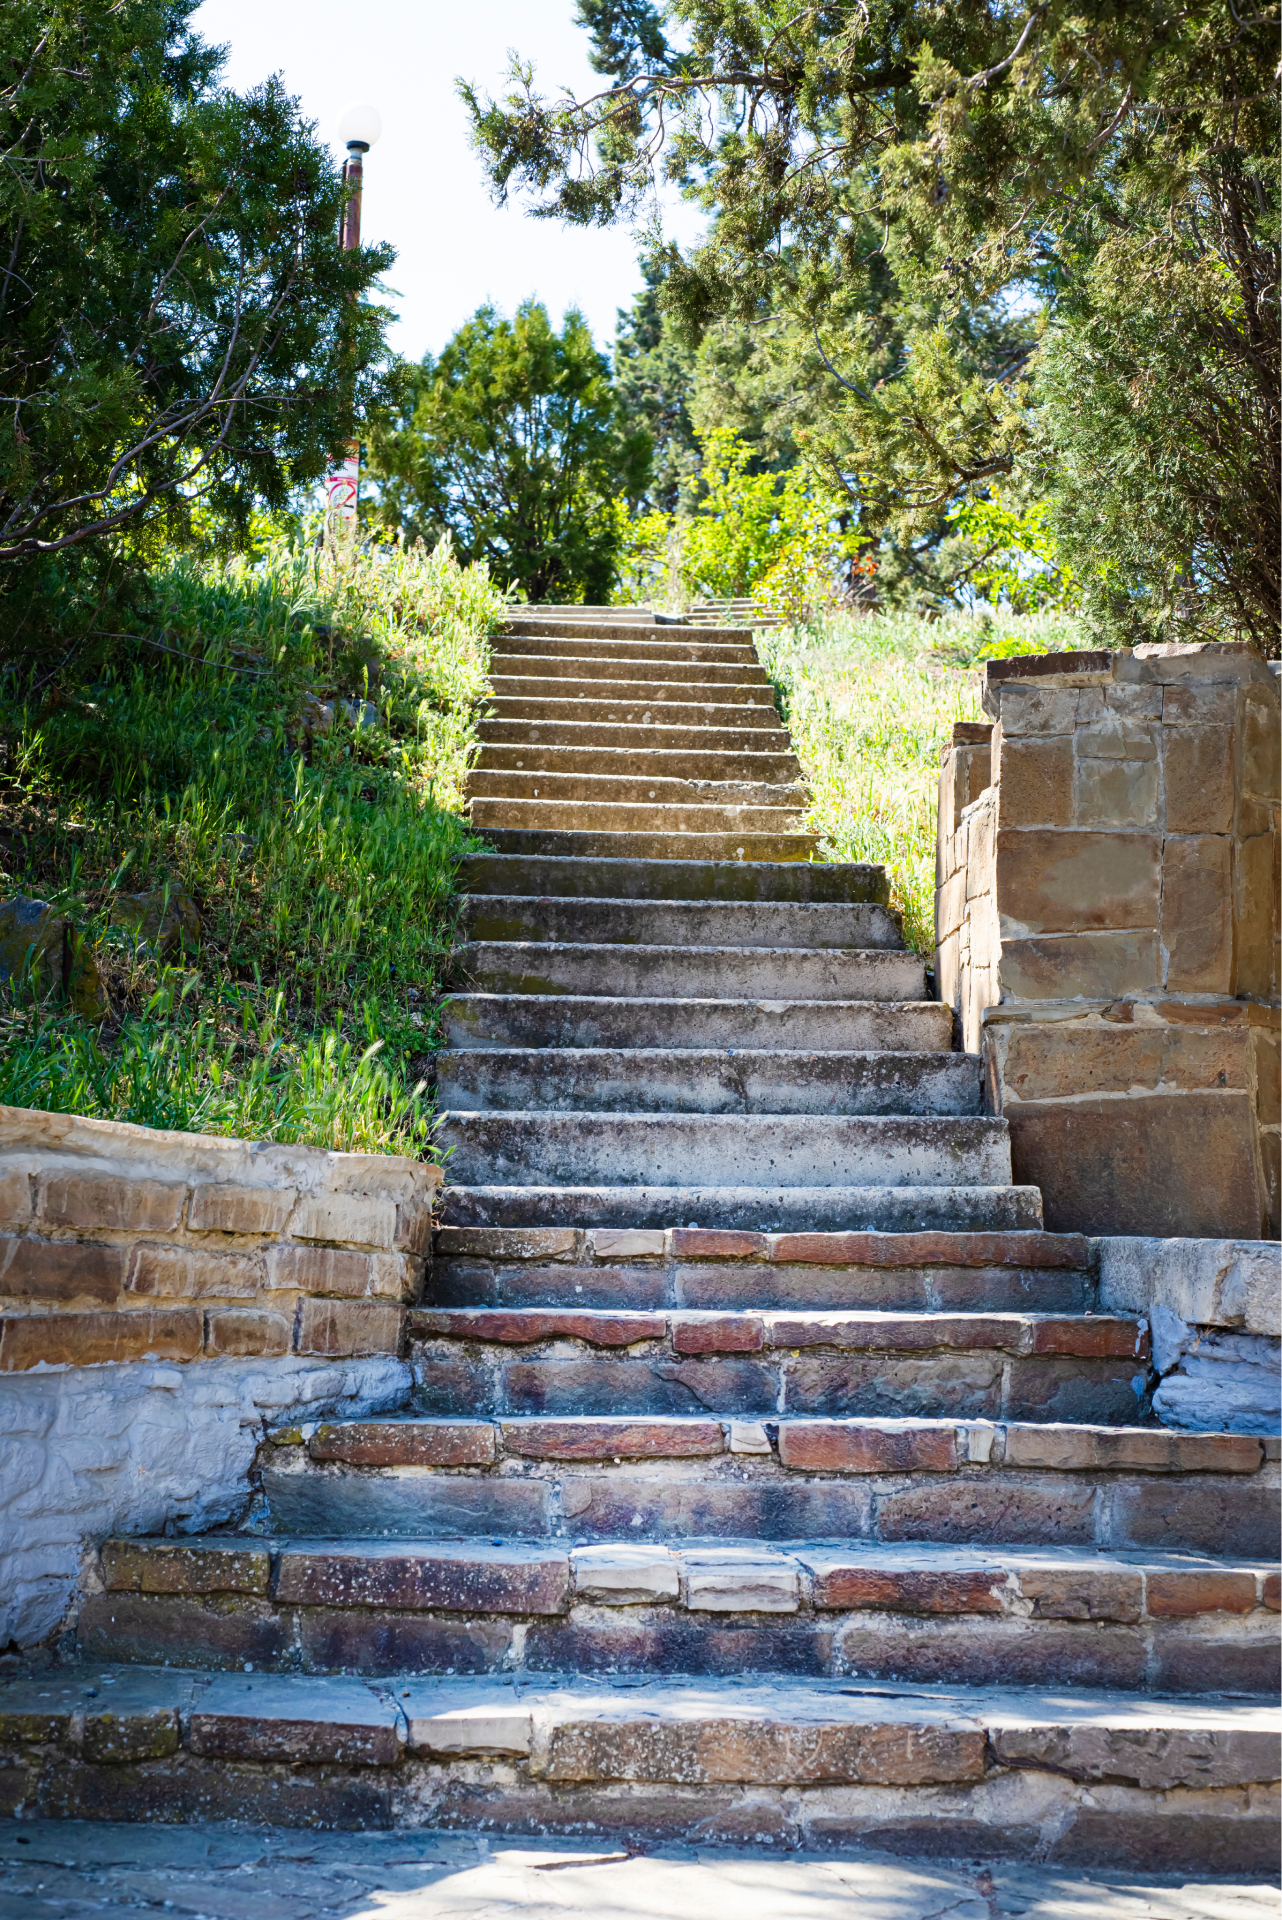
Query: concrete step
[668, 631]
[632, 789]
[668, 822]
[687, 762]
[584, 666]
[1063, 1617]
[1102, 1779]
[650, 693]
[677, 972]
[643, 879]
[471, 1020]
[703, 1477]
[755, 730]
[535, 1149]
[567, 1361]
[651, 644]
[659, 1080]
[742, 844]
[639, 1269]
[576, 702]
[680, 923]
[873, 1209]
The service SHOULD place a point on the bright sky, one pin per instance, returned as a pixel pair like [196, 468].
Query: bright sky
[424, 189]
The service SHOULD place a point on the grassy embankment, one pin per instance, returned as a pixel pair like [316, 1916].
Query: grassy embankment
[871, 703]
[319, 859]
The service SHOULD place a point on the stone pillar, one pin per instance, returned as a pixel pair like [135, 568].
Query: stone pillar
[1108, 925]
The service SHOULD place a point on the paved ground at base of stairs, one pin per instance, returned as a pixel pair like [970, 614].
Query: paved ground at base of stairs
[77, 1870]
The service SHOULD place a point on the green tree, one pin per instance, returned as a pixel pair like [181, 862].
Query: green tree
[653, 375]
[179, 332]
[513, 440]
[992, 157]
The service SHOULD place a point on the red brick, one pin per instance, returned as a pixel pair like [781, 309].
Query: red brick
[762, 1753]
[60, 1270]
[243, 1331]
[718, 1333]
[917, 1332]
[171, 1566]
[1069, 1448]
[931, 1249]
[606, 1439]
[480, 1579]
[521, 1326]
[1271, 1595]
[840, 1446]
[988, 1511]
[99, 1201]
[716, 1243]
[344, 1328]
[258, 1210]
[911, 1589]
[1083, 1593]
[1176, 1592]
[1093, 1337]
[262, 1735]
[97, 1339]
[406, 1443]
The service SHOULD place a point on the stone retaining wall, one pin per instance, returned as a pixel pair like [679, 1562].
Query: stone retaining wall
[1107, 931]
[127, 1253]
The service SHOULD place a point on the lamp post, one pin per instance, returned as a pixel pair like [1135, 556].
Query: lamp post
[358, 127]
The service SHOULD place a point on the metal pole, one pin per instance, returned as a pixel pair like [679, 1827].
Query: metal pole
[342, 485]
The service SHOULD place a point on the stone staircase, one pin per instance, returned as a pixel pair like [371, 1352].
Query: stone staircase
[769, 1475]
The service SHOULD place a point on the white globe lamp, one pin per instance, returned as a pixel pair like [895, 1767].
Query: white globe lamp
[359, 126]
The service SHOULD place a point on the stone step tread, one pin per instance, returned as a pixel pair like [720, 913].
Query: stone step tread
[577, 1020]
[1082, 1336]
[652, 695]
[519, 1577]
[760, 735]
[669, 669]
[633, 816]
[797, 925]
[709, 1731]
[648, 644]
[727, 1080]
[683, 762]
[627, 708]
[637, 879]
[596, 629]
[985, 1209]
[697, 788]
[703, 1244]
[639, 971]
[862, 1445]
[745, 844]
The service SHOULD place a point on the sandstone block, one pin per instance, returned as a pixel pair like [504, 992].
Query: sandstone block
[626, 1243]
[1199, 779]
[1271, 1592]
[887, 1333]
[950, 904]
[877, 1386]
[344, 1328]
[749, 1436]
[60, 1270]
[15, 1199]
[1197, 914]
[739, 1580]
[1116, 737]
[1256, 962]
[717, 1333]
[1048, 1062]
[830, 1446]
[174, 1566]
[1038, 710]
[247, 1330]
[507, 1243]
[463, 1578]
[108, 1202]
[1205, 706]
[1209, 1515]
[763, 1753]
[386, 1175]
[413, 1232]
[625, 1576]
[715, 1243]
[1117, 793]
[1066, 882]
[407, 1443]
[1152, 1759]
[1261, 749]
[99, 1339]
[439, 1727]
[190, 1273]
[854, 1587]
[1085, 1449]
[1035, 784]
[609, 1439]
[256, 1210]
[1083, 1593]
[606, 1506]
[320, 1270]
[1079, 966]
[1148, 1164]
[1178, 1592]
[353, 1219]
[522, 1326]
[638, 1288]
[718, 1384]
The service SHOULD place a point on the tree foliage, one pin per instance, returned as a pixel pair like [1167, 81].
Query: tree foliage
[177, 324]
[513, 440]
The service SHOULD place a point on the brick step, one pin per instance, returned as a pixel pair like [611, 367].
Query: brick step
[838, 1480]
[632, 1268]
[570, 1360]
[612, 845]
[752, 734]
[548, 665]
[811, 925]
[678, 972]
[1161, 1623]
[518, 1148]
[473, 1020]
[644, 643]
[690, 760]
[710, 698]
[695, 788]
[634, 817]
[672, 1080]
[971, 1209]
[1104, 1779]
[637, 878]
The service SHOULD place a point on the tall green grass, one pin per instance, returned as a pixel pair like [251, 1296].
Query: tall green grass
[321, 862]
[871, 701]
